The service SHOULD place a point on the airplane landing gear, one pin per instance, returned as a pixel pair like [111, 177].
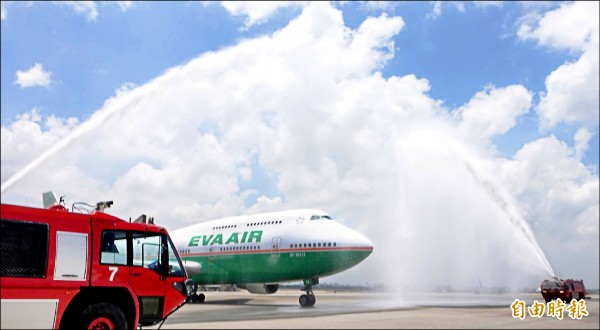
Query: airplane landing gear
[308, 299]
[196, 297]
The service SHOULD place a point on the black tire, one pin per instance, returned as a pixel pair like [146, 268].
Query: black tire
[304, 300]
[102, 316]
[198, 298]
[312, 300]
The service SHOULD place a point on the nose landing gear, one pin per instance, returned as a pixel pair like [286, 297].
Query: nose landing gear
[308, 299]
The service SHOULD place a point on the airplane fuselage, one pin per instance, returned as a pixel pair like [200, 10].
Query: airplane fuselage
[269, 248]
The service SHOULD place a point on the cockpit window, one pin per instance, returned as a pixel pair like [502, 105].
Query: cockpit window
[317, 217]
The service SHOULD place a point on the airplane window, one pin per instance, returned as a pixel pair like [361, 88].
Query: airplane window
[333, 244]
[326, 217]
[328, 244]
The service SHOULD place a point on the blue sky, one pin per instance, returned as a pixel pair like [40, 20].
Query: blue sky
[513, 87]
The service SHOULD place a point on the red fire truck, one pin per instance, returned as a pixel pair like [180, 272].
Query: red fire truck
[566, 290]
[70, 270]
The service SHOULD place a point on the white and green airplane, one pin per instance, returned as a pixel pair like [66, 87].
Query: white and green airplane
[257, 252]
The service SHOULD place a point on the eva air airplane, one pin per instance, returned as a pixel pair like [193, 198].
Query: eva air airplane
[259, 251]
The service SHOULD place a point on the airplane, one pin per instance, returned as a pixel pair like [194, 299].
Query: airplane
[257, 252]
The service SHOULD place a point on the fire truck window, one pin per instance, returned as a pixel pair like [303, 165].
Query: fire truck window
[146, 249]
[113, 248]
[24, 249]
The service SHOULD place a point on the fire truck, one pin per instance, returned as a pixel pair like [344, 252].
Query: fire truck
[66, 269]
[566, 290]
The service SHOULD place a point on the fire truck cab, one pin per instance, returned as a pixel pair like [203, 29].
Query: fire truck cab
[566, 290]
[62, 269]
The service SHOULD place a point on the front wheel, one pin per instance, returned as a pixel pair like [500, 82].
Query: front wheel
[102, 316]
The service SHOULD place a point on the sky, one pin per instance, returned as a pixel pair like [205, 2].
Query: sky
[460, 137]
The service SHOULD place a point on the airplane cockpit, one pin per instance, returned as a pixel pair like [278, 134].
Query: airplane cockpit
[317, 217]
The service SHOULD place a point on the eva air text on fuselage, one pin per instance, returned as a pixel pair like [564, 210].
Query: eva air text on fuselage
[235, 238]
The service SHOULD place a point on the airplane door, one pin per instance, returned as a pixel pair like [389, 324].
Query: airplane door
[276, 246]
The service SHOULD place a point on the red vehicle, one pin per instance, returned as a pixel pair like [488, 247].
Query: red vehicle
[62, 269]
[566, 290]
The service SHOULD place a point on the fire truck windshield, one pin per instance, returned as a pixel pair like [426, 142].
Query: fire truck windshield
[551, 285]
[175, 267]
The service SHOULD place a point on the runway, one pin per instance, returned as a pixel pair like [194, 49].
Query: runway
[346, 310]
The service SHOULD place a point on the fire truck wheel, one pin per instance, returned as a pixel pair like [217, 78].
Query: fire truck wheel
[102, 316]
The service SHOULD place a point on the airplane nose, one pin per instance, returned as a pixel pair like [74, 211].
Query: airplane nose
[365, 242]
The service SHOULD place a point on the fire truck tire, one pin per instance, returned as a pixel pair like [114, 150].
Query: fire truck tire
[102, 316]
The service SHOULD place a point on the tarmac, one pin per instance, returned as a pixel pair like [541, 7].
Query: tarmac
[363, 310]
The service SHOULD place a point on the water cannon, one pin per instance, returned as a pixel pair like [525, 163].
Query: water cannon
[100, 206]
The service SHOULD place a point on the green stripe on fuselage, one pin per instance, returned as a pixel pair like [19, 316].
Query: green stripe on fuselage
[268, 267]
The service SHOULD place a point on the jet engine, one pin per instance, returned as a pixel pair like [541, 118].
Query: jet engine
[260, 288]
[192, 268]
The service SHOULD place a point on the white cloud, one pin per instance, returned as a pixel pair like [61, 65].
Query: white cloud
[125, 5]
[125, 88]
[582, 138]
[494, 111]
[85, 8]
[572, 93]
[308, 107]
[572, 26]
[572, 89]
[258, 12]
[35, 76]
[27, 137]
[436, 10]
[484, 4]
